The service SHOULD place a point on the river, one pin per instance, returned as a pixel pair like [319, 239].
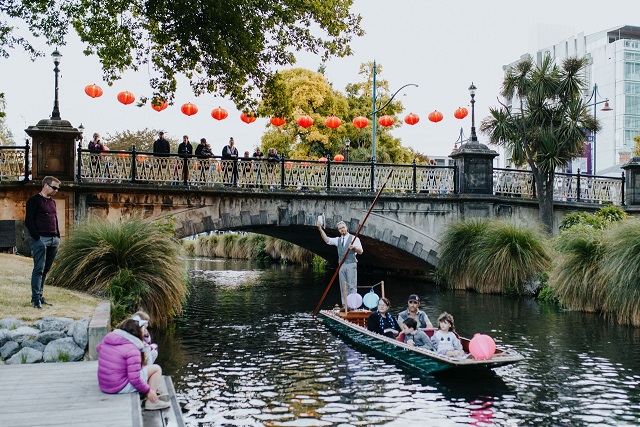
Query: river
[247, 352]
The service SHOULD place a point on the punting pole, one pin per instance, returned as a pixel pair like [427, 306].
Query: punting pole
[326, 291]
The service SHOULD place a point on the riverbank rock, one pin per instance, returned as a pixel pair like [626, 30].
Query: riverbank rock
[51, 339]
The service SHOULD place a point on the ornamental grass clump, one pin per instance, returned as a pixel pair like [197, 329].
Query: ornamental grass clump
[492, 256]
[133, 262]
[621, 272]
[576, 278]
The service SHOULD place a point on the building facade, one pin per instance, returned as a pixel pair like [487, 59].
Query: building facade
[613, 74]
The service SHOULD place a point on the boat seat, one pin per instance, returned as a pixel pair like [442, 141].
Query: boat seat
[428, 331]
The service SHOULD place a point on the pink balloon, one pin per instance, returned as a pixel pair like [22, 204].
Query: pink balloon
[482, 347]
[354, 301]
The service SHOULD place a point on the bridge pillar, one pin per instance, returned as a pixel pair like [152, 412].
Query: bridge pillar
[632, 175]
[475, 168]
[53, 149]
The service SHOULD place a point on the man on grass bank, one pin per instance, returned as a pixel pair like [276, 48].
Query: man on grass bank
[42, 222]
[346, 243]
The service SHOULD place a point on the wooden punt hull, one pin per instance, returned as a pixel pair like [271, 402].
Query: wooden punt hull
[418, 358]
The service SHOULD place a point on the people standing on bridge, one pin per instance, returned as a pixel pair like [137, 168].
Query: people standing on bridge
[161, 148]
[230, 154]
[161, 145]
[184, 149]
[413, 311]
[258, 155]
[203, 151]
[272, 159]
[96, 146]
[349, 244]
[42, 222]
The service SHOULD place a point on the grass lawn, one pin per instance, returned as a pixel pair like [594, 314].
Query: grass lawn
[15, 294]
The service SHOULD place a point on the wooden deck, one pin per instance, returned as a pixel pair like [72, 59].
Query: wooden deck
[67, 394]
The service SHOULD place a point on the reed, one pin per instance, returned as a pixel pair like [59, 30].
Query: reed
[134, 262]
[491, 256]
[575, 277]
[621, 272]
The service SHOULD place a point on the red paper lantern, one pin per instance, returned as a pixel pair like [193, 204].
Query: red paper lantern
[385, 121]
[435, 116]
[189, 109]
[277, 121]
[460, 113]
[305, 121]
[360, 122]
[322, 160]
[126, 97]
[338, 158]
[332, 122]
[159, 105]
[247, 117]
[411, 119]
[219, 113]
[93, 91]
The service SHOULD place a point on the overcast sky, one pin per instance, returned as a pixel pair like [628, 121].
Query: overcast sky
[441, 46]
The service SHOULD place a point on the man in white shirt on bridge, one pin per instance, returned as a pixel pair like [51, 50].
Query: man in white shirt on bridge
[349, 244]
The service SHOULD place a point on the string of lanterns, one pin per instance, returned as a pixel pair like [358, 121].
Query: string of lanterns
[305, 121]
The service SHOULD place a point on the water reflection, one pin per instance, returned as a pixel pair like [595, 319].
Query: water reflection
[247, 352]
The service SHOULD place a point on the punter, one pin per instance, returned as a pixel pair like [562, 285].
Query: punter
[346, 243]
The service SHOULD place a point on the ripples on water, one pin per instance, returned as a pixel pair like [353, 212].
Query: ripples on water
[248, 353]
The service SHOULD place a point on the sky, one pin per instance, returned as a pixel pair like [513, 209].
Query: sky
[441, 46]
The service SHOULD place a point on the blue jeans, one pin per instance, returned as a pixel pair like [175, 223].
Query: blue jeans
[43, 252]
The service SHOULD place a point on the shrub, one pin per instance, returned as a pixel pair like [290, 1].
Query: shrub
[134, 260]
[491, 256]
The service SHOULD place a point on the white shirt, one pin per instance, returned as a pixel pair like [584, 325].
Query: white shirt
[335, 241]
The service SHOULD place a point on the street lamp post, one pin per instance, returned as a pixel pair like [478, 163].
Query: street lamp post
[347, 147]
[375, 111]
[472, 92]
[55, 114]
[594, 96]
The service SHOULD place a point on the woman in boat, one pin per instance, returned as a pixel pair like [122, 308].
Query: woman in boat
[382, 322]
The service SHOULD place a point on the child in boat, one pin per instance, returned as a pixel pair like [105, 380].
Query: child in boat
[444, 340]
[414, 336]
[382, 322]
[150, 349]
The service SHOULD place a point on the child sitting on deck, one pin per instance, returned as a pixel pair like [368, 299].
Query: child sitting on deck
[444, 340]
[414, 336]
[150, 349]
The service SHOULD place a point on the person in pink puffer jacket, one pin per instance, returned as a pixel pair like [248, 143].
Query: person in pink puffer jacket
[121, 361]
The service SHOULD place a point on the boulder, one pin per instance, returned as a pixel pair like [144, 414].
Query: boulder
[10, 323]
[9, 349]
[4, 336]
[26, 355]
[36, 345]
[63, 350]
[54, 324]
[79, 330]
[24, 333]
[46, 337]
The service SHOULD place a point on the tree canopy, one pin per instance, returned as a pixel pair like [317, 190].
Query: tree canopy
[299, 92]
[142, 139]
[226, 48]
[546, 127]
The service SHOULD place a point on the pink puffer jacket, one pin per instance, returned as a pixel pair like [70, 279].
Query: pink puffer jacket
[119, 363]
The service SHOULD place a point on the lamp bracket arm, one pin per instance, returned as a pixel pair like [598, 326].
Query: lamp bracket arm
[392, 97]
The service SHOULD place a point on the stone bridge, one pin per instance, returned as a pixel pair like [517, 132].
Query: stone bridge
[402, 231]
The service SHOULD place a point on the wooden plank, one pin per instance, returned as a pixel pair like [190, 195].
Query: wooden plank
[62, 394]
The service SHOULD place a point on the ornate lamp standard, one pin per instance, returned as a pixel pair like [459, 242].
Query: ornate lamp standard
[594, 97]
[55, 114]
[375, 110]
[472, 92]
[347, 147]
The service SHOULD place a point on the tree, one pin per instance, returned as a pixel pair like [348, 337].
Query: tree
[636, 149]
[142, 139]
[226, 48]
[299, 91]
[547, 127]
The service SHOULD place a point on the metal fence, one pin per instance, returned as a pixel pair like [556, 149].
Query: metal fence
[290, 174]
